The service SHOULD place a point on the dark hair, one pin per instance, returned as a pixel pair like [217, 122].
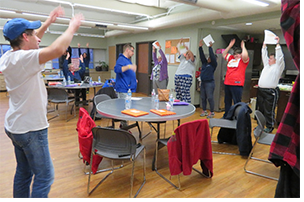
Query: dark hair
[237, 50]
[128, 45]
[16, 42]
[272, 54]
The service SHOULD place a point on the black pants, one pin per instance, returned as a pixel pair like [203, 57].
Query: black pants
[81, 93]
[289, 183]
[267, 100]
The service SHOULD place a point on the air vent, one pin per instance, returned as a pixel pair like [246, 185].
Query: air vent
[190, 1]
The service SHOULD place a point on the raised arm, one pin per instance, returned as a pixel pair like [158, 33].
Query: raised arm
[59, 46]
[79, 51]
[57, 12]
[165, 62]
[264, 54]
[88, 52]
[245, 56]
[279, 55]
[228, 48]
[201, 52]
[65, 67]
[154, 56]
[212, 56]
[81, 64]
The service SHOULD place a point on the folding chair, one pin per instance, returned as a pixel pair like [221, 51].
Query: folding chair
[116, 144]
[100, 98]
[58, 96]
[194, 134]
[262, 138]
[224, 123]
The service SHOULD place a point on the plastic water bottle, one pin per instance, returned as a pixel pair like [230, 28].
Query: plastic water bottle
[171, 100]
[128, 99]
[153, 96]
[99, 79]
[69, 80]
[64, 81]
[91, 82]
[156, 102]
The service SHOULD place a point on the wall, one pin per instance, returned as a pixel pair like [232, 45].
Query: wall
[162, 36]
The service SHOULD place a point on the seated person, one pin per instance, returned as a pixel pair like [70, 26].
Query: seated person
[75, 75]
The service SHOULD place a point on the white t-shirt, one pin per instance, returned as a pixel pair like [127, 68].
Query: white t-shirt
[185, 66]
[28, 96]
[271, 74]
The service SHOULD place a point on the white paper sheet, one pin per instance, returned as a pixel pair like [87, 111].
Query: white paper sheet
[269, 37]
[207, 40]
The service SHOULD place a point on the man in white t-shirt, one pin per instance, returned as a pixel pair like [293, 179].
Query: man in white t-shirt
[25, 121]
[268, 92]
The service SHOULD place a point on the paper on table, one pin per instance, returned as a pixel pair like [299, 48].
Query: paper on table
[269, 37]
[208, 39]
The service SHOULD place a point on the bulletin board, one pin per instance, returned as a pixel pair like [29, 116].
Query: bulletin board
[171, 50]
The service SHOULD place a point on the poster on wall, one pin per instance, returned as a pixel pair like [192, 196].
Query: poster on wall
[173, 48]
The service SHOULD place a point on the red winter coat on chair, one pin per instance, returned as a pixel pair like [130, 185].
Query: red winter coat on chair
[85, 138]
[190, 143]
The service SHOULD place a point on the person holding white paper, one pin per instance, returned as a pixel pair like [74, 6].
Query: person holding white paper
[207, 79]
[268, 92]
[184, 74]
[235, 75]
[159, 74]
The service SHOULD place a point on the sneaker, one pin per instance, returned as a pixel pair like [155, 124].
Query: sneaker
[205, 113]
[268, 130]
[211, 115]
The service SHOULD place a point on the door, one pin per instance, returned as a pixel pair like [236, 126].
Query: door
[144, 66]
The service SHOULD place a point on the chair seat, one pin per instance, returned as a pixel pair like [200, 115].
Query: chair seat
[222, 123]
[119, 156]
[265, 138]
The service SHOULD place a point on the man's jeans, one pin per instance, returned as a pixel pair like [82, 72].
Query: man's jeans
[33, 158]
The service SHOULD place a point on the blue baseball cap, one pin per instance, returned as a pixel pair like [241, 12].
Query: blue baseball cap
[15, 27]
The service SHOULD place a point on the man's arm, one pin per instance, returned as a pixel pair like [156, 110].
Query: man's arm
[51, 19]
[264, 54]
[279, 56]
[59, 46]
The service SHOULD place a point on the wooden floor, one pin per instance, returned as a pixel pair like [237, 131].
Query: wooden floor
[229, 180]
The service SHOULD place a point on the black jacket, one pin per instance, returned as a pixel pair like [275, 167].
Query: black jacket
[242, 135]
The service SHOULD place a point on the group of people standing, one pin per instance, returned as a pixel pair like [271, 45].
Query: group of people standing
[237, 62]
[26, 122]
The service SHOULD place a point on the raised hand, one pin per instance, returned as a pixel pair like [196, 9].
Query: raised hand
[57, 12]
[201, 43]
[75, 22]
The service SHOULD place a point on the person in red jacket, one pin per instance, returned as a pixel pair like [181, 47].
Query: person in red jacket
[235, 75]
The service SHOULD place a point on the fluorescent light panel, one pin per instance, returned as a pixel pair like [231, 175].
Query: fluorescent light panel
[257, 2]
[135, 27]
[111, 10]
